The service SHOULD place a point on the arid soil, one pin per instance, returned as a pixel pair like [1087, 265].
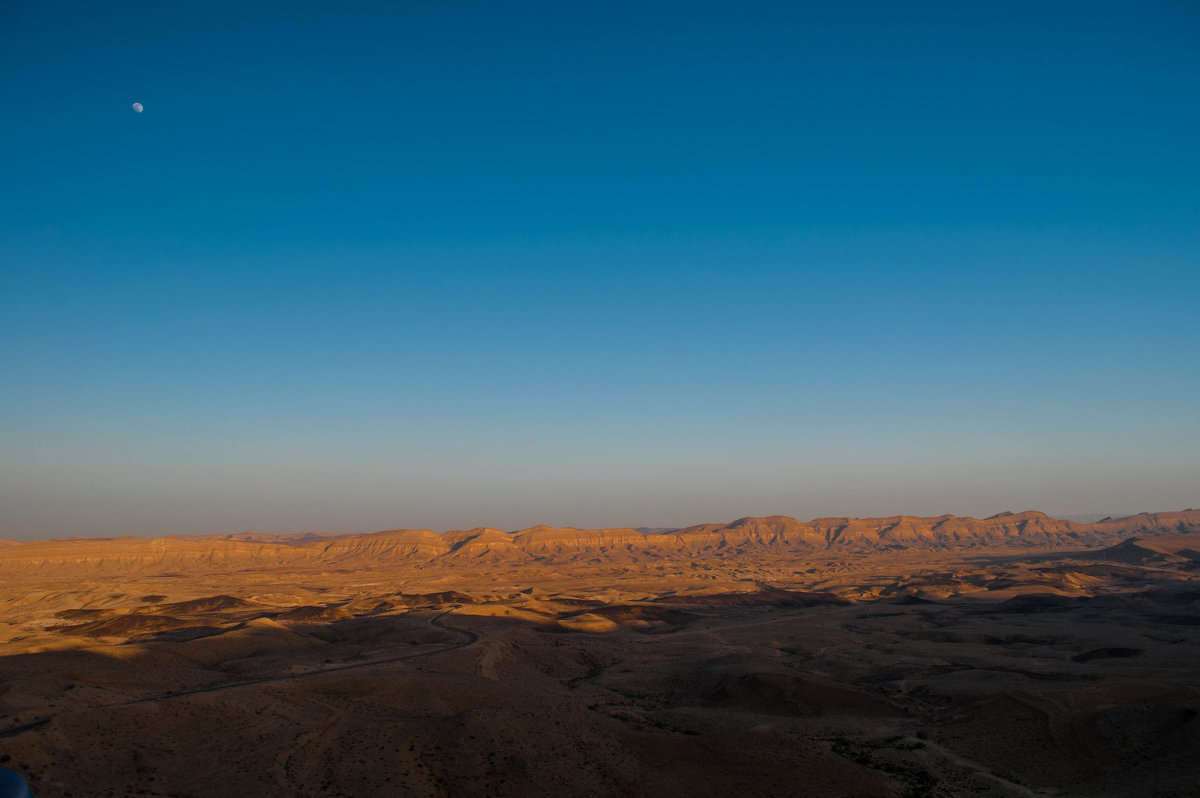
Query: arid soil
[1012, 656]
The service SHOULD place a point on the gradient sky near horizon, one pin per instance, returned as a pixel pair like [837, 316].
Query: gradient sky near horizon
[368, 266]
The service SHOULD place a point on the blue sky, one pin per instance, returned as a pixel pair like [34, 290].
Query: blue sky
[378, 265]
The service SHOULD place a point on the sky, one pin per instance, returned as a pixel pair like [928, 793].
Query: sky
[369, 266]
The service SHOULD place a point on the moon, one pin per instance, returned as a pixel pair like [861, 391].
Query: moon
[137, 108]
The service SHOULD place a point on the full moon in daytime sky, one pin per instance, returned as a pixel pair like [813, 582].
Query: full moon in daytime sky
[137, 107]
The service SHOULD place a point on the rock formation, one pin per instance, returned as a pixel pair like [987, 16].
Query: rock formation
[781, 535]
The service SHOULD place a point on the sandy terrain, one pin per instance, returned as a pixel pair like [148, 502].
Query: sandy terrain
[1040, 667]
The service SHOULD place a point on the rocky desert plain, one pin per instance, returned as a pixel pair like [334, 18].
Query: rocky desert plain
[1018, 655]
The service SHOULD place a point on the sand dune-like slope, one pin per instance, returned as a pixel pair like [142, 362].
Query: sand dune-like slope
[1156, 548]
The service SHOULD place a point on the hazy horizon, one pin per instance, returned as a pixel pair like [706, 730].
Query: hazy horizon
[1081, 518]
[348, 269]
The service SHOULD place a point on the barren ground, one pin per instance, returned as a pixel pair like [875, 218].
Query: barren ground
[887, 673]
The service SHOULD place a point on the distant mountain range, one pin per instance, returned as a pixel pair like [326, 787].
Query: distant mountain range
[781, 535]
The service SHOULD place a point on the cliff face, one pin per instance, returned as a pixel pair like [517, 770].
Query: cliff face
[413, 544]
[1027, 528]
[482, 547]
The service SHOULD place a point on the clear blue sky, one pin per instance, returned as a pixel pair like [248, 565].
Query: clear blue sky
[363, 266]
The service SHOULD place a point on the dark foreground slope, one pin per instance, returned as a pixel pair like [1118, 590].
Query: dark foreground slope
[910, 672]
[757, 693]
[763, 657]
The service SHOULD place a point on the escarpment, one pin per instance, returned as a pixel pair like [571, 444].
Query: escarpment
[765, 536]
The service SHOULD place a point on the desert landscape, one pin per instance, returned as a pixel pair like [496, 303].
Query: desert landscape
[1016, 655]
[684, 354]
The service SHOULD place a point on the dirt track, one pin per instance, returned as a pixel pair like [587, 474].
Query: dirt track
[470, 639]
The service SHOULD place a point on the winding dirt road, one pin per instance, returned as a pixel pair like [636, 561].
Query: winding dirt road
[469, 638]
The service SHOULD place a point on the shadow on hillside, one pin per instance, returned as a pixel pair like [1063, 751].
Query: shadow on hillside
[717, 694]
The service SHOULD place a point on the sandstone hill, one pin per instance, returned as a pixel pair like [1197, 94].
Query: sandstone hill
[745, 537]
[1183, 522]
